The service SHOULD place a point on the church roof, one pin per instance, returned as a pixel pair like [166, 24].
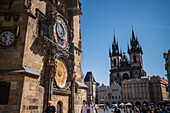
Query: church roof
[89, 76]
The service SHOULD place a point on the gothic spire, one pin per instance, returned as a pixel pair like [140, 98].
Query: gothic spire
[114, 39]
[133, 35]
[115, 47]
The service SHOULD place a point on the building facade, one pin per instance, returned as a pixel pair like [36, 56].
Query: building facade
[158, 89]
[121, 67]
[110, 94]
[167, 67]
[40, 46]
[136, 91]
[92, 91]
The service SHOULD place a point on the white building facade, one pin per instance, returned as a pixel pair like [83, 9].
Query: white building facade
[110, 95]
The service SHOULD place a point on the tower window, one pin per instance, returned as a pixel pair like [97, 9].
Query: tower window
[114, 62]
[134, 59]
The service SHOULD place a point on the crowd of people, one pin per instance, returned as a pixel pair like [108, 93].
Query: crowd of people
[141, 109]
[91, 108]
[147, 109]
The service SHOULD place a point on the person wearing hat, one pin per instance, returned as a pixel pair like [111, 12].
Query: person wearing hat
[50, 108]
[93, 108]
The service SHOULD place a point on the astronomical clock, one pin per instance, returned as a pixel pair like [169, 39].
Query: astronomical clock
[60, 34]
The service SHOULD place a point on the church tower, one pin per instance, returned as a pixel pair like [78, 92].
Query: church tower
[115, 55]
[135, 52]
[123, 68]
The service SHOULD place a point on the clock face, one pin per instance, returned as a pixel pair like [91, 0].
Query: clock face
[6, 38]
[61, 73]
[60, 33]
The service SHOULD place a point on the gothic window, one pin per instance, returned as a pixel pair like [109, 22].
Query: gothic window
[114, 61]
[134, 59]
[125, 76]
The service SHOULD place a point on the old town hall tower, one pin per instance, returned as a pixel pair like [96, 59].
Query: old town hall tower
[121, 67]
[40, 56]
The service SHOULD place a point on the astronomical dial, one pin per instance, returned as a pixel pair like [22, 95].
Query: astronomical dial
[6, 38]
[61, 73]
[60, 32]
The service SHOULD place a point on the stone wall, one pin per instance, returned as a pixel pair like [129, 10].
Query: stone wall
[79, 97]
[24, 93]
[77, 50]
[32, 96]
[16, 85]
[64, 100]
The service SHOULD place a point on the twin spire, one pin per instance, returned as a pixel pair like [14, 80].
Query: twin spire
[135, 47]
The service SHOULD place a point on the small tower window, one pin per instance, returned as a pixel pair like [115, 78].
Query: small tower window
[134, 59]
[114, 62]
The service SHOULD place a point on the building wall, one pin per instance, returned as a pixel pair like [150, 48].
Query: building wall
[167, 67]
[158, 89]
[136, 90]
[25, 93]
[15, 92]
[110, 95]
[64, 102]
[91, 91]
[80, 95]
[32, 95]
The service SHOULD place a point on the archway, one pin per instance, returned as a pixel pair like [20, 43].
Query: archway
[138, 103]
[59, 107]
[125, 76]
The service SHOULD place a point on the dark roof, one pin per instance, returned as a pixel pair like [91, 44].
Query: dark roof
[89, 76]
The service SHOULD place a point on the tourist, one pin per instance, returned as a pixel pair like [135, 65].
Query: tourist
[50, 108]
[144, 109]
[116, 110]
[107, 108]
[85, 107]
[93, 108]
[104, 108]
[136, 109]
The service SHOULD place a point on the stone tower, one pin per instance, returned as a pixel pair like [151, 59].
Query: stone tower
[115, 55]
[121, 67]
[135, 52]
[40, 46]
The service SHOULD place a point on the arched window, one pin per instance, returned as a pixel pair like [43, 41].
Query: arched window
[134, 59]
[114, 61]
[59, 107]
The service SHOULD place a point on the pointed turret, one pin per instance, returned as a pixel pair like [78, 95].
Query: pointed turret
[128, 48]
[133, 35]
[114, 39]
[115, 47]
[134, 43]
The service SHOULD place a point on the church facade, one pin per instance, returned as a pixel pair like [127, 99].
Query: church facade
[121, 67]
[40, 46]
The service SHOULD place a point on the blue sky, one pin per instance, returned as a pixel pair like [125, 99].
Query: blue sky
[102, 18]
